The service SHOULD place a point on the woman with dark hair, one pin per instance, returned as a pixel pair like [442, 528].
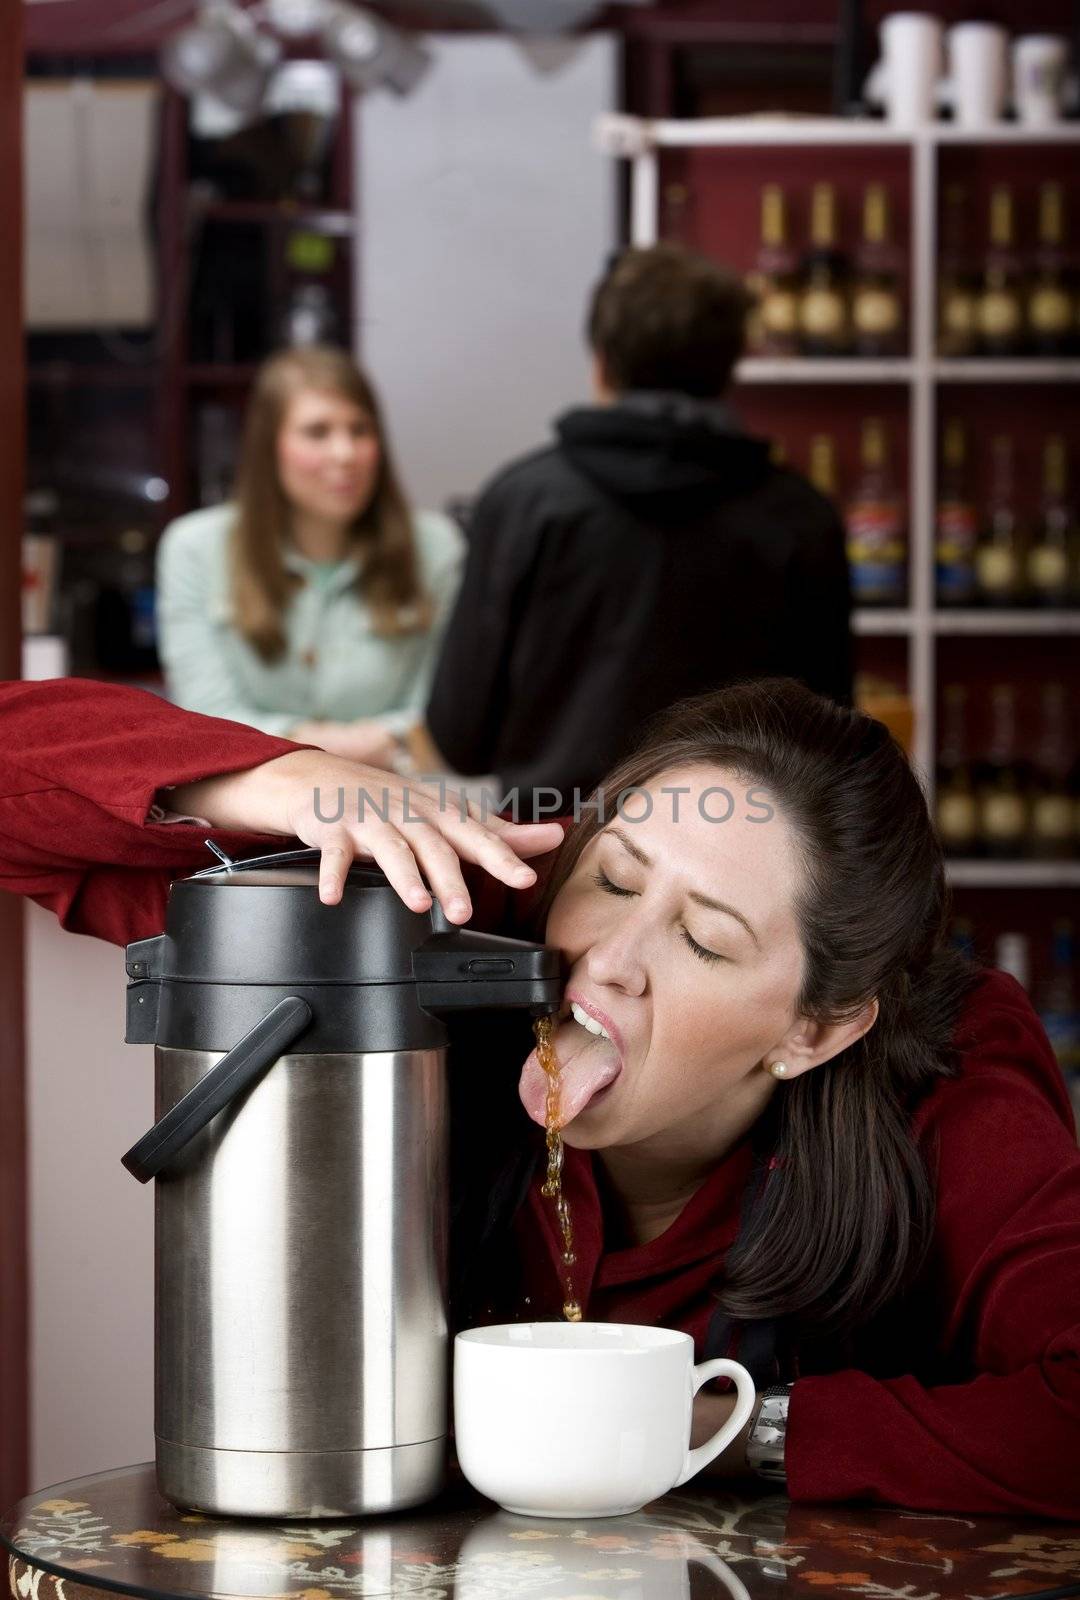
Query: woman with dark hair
[313, 605]
[796, 1125]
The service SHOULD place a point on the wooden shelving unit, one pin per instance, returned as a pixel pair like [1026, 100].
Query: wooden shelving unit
[918, 627]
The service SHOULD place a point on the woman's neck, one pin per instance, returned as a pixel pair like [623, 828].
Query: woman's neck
[318, 538]
[645, 1186]
[639, 1204]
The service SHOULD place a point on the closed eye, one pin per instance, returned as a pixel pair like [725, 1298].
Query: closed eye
[602, 881]
[710, 956]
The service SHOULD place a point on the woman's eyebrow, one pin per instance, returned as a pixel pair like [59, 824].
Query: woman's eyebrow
[638, 855]
[698, 899]
[730, 911]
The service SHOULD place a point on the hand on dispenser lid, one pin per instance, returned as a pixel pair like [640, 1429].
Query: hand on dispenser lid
[349, 811]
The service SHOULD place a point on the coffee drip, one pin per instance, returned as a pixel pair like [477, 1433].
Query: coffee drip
[552, 1186]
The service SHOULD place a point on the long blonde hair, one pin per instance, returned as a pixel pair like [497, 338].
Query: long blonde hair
[260, 583]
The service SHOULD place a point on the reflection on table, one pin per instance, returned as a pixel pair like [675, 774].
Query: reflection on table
[113, 1531]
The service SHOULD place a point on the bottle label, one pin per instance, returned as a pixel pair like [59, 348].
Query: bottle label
[957, 535]
[1052, 817]
[1050, 310]
[999, 314]
[1048, 568]
[996, 569]
[957, 819]
[875, 311]
[958, 315]
[1003, 816]
[780, 313]
[821, 312]
[876, 550]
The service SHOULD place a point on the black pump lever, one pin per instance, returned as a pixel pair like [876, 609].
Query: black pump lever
[235, 1072]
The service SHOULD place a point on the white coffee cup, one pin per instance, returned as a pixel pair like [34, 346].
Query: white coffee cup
[978, 74]
[905, 79]
[1039, 63]
[583, 1419]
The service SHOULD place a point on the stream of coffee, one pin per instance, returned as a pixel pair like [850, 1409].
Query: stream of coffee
[552, 1188]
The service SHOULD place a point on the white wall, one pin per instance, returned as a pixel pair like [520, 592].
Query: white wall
[91, 1225]
[485, 216]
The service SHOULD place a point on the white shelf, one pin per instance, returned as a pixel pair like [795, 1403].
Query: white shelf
[1014, 874]
[1003, 133]
[1005, 622]
[1033, 369]
[774, 130]
[795, 369]
[864, 369]
[988, 624]
[629, 136]
[866, 619]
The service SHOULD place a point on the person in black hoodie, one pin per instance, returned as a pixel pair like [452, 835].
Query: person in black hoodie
[653, 552]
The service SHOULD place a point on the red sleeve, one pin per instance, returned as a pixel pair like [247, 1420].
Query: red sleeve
[1005, 1265]
[80, 762]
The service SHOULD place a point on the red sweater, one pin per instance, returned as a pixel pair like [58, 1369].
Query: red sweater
[987, 1416]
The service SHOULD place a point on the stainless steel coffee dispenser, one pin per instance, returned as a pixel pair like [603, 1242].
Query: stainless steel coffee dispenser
[301, 1160]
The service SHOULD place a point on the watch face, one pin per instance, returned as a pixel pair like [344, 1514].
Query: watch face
[765, 1447]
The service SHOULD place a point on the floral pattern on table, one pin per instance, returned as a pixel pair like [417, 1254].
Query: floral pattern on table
[114, 1532]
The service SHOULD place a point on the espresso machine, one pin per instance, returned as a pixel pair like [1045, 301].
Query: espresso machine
[301, 1165]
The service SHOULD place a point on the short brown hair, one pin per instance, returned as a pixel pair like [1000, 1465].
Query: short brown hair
[666, 318]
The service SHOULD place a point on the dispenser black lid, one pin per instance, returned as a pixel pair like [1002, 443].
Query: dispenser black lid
[261, 921]
[241, 937]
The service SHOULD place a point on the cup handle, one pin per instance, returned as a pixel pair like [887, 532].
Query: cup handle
[744, 1405]
[730, 1581]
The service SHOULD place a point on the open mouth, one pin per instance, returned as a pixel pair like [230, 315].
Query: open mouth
[589, 1065]
[589, 1023]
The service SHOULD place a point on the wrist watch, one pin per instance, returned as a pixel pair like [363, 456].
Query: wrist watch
[768, 1434]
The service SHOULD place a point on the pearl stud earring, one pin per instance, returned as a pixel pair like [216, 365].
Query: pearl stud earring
[779, 1069]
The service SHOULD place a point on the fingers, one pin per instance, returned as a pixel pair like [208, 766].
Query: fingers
[524, 838]
[533, 838]
[499, 853]
[424, 834]
[394, 855]
[442, 865]
[334, 863]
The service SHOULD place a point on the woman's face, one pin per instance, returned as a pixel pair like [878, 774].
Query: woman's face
[679, 936]
[327, 456]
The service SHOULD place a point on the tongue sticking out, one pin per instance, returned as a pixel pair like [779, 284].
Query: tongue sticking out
[588, 1063]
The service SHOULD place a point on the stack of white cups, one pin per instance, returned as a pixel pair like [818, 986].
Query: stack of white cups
[910, 83]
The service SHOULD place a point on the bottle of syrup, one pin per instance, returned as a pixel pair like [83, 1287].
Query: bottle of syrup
[876, 527]
[824, 304]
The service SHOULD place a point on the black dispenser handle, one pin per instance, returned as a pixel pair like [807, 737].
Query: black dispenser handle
[245, 1062]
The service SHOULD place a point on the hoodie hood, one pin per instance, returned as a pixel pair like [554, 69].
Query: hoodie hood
[667, 457]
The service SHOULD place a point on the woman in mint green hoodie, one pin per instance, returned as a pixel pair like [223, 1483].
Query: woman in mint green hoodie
[313, 605]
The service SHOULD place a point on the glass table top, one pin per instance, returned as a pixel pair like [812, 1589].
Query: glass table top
[113, 1532]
